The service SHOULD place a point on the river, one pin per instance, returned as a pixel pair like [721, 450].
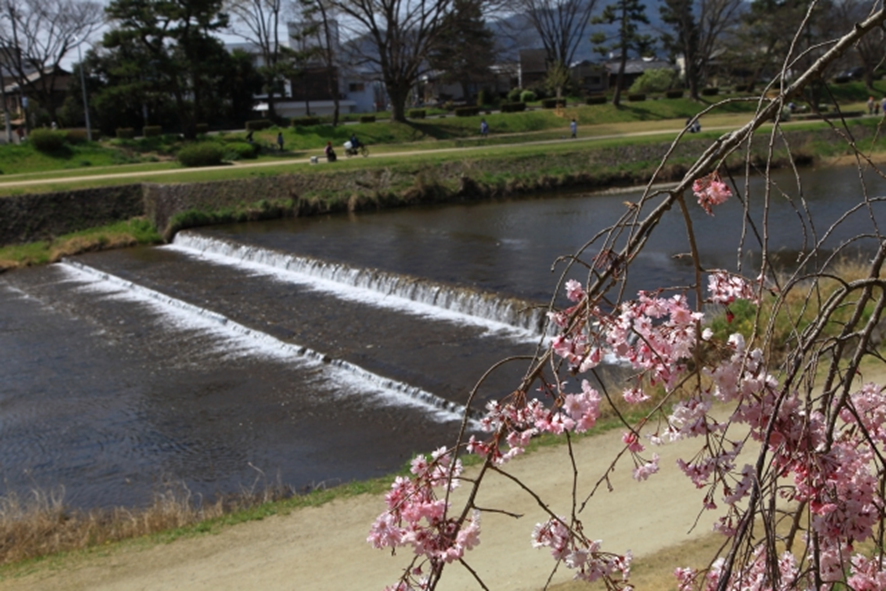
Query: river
[316, 350]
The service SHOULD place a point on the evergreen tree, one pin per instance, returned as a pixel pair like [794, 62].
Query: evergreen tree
[627, 14]
[176, 36]
[466, 47]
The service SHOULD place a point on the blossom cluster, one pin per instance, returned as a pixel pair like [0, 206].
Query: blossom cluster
[416, 517]
[726, 287]
[518, 423]
[580, 554]
[711, 190]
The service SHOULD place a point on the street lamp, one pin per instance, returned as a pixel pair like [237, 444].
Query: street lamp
[83, 88]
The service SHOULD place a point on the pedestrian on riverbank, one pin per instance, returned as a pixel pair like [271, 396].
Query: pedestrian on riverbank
[870, 105]
[484, 128]
[573, 127]
[280, 140]
[330, 153]
[882, 105]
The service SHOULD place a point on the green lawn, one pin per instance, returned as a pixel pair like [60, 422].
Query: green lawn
[510, 131]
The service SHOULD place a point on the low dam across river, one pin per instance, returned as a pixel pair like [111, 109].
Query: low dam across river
[310, 351]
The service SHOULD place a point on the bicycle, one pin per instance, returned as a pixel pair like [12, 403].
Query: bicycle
[361, 150]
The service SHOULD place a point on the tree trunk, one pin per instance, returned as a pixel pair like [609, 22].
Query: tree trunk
[272, 110]
[692, 80]
[619, 78]
[397, 94]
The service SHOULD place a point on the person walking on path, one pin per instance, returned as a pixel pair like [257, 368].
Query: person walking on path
[870, 105]
[330, 153]
[484, 128]
[573, 127]
[883, 106]
[280, 140]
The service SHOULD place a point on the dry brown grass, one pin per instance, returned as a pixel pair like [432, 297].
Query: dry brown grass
[41, 525]
[80, 244]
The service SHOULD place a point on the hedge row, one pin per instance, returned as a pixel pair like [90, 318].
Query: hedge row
[597, 99]
[513, 107]
[258, 124]
[467, 111]
[553, 103]
[305, 121]
[416, 114]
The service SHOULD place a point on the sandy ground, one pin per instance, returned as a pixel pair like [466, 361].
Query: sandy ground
[324, 548]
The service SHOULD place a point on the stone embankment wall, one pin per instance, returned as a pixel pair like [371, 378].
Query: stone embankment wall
[29, 218]
[34, 217]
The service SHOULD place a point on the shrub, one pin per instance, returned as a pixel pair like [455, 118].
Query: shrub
[653, 81]
[78, 136]
[305, 121]
[512, 107]
[636, 97]
[416, 114]
[125, 133]
[597, 99]
[842, 80]
[241, 151]
[47, 140]
[467, 111]
[201, 154]
[674, 93]
[258, 124]
[744, 87]
[483, 98]
[712, 91]
[527, 96]
[367, 118]
[152, 130]
[202, 128]
[514, 95]
[553, 103]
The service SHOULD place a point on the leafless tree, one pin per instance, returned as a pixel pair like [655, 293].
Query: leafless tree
[320, 31]
[36, 35]
[261, 20]
[870, 49]
[561, 24]
[698, 29]
[394, 36]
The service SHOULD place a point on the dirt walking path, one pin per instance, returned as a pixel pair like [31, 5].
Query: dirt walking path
[324, 549]
[124, 176]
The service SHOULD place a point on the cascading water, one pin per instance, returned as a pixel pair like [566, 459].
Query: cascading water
[520, 314]
[452, 410]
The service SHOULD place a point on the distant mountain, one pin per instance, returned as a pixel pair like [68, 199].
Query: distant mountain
[515, 32]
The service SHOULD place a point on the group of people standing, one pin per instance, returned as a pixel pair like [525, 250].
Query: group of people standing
[874, 106]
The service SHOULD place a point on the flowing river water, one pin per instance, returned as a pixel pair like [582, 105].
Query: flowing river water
[310, 351]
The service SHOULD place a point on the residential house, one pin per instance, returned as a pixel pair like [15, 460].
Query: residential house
[590, 77]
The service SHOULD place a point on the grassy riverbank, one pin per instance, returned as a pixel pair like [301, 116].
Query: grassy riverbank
[421, 176]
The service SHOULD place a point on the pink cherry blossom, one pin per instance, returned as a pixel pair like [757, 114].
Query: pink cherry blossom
[711, 190]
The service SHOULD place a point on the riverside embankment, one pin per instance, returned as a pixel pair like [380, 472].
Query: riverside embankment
[173, 206]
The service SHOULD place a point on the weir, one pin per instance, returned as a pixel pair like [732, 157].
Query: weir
[521, 314]
[451, 410]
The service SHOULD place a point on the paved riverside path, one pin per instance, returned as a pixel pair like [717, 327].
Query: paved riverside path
[324, 548]
[159, 174]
